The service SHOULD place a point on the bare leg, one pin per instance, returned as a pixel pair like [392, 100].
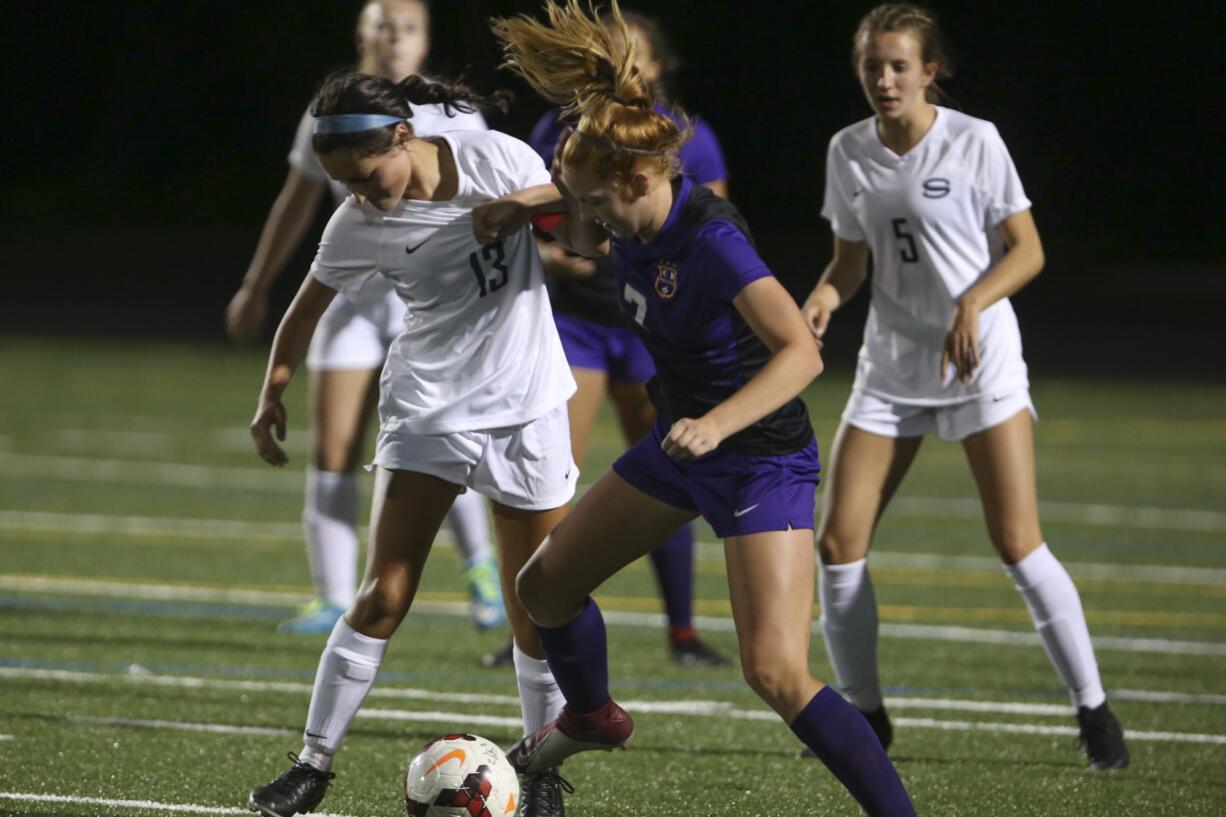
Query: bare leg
[1002, 460]
[770, 579]
[865, 471]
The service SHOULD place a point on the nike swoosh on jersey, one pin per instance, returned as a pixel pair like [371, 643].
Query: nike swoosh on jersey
[411, 250]
[743, 511]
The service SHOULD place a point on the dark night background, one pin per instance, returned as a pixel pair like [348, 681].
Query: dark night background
[144, 143]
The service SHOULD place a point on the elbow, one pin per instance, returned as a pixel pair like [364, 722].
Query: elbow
[811, 361]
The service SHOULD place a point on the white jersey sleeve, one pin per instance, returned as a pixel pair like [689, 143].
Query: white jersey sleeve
[301, 155]
[997, 181]
[840, 192]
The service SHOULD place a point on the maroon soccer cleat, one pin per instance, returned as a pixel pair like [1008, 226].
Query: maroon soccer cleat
[608, 728]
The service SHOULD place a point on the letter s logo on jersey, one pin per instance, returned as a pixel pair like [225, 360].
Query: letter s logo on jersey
[936, 188]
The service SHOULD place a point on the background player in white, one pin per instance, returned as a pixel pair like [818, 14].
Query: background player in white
[932, 196]
[351, 343]
[473, 392]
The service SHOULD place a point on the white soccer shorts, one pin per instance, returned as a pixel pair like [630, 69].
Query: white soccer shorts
[952, 423]
[528, 466]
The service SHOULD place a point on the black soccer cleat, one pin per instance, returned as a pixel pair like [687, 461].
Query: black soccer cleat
[1102, 738]
[298, 791]
[541, 794]
[695, 653]
[878, 719]
[504, 657]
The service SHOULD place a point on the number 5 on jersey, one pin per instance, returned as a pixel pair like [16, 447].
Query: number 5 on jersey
[491, 257]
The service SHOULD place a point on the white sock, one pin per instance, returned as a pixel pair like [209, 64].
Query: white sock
[849, 625]
[470, 527]
[329, 519]
[347, 670]
[539, 695]
[1055, 607]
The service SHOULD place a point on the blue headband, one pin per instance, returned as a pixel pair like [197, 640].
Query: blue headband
[353, 122]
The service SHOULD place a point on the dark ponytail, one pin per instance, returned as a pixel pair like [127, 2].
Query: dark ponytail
[347, 91]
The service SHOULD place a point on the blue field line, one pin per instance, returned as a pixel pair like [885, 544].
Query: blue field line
[262, 673]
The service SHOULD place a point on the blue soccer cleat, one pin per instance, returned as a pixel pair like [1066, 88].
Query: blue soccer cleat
[316, 618]
[486, 595]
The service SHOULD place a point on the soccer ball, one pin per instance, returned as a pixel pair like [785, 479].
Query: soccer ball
[460, 776]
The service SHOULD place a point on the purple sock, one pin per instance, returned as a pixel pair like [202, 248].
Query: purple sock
[844, 741]
[578, 655]
[673, 562]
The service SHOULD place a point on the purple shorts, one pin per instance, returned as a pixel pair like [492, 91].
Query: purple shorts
[736, 493]
[613, 349]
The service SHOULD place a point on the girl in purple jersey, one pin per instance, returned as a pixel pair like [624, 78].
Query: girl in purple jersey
[931, 195]
[732, 441]
[605, 355]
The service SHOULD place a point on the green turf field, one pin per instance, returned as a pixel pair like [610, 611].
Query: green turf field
[146, 556]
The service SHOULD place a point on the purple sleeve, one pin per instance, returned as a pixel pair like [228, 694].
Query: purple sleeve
[701, 157]
[545, 135]
[728, 261]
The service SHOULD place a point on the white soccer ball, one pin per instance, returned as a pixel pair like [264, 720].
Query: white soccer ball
[460, 776]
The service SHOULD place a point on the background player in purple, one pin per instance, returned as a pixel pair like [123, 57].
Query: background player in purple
[604, 353]
[732, 441]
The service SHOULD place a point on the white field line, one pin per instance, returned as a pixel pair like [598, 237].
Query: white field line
[458, 719]
[297, 441]
[182, 726]
[7, 737]
[240, 529]
[142, 677]
[113, 441]
[258, 478]
[1035, 729]
[1167, 697]
[139, 805]
[919, 632]
[183, 475]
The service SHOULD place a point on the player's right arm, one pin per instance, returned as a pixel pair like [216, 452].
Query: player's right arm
[291, 214]
[289, 347]
[839, 282]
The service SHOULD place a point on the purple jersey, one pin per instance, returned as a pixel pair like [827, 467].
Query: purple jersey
[595, 298]
[677, 290]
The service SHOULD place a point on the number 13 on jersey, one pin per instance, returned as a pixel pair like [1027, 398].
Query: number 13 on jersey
[491, 257]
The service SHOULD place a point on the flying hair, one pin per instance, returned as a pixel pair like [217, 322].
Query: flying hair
[572, 61]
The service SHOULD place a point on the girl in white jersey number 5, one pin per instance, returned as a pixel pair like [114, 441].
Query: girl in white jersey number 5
[933, 197]
[473, 393]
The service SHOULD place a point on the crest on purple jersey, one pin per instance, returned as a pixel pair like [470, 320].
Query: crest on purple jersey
[666, 279]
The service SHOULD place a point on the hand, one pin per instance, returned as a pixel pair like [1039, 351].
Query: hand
[269, 416]
[557, 261]
[497, 219]
[962, 342]
[246, 314]
[690, 438]
[818, 308]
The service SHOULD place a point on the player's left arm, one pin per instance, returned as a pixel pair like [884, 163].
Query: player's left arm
[773, 316]
[1022, 261]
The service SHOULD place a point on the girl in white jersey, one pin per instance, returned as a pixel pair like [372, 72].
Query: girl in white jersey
[932, 196]
[473, 393]
[351, 343]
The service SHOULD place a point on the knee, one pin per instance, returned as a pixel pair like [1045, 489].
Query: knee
[777, 682]
[1015, 540]
[530, 589]
[838, 546]
[381, 605]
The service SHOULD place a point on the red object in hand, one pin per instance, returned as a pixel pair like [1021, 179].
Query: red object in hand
[547, 222]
